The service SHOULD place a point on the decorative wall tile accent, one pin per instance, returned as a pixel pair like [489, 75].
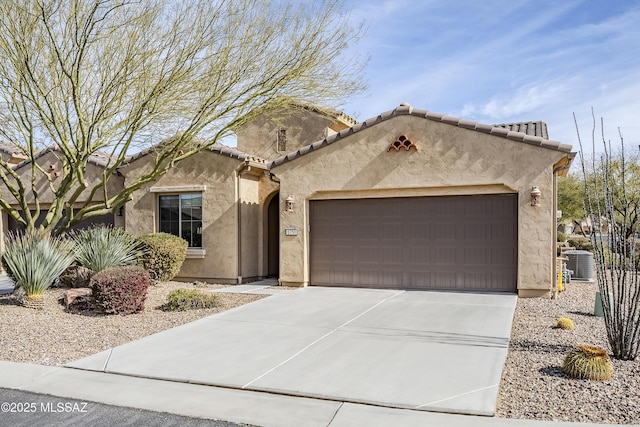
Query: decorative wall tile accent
[402, 142]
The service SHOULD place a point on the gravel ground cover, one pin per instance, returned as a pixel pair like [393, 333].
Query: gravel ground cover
[533, 385]
[54, 337]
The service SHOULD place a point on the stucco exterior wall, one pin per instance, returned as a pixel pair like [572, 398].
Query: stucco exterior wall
[217, 175]
[449, 160]
[259, 137]
[249, 223]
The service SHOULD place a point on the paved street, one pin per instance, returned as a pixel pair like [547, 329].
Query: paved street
[19, 408]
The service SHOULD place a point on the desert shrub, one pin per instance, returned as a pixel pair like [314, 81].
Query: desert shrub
[580, 243]
[188, 299]
[120, 290]
[75, 276]
[561, 237]
[164, 255]
[34, 261]
[633, 251]
[588, 363]
[565, 323]
[612, 258]
[99, 248]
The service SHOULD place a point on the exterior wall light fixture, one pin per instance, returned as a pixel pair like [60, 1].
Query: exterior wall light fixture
[288, 203]
[535, 196]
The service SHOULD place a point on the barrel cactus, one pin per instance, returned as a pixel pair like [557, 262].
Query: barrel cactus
[588, 363]
[565, 323]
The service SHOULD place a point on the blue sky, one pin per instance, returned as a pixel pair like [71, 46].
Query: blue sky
[496, 61]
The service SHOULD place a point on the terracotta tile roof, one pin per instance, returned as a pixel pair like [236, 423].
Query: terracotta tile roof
[406, 109]
[538, 128]
[98, 158]
[8, 148]
[236, 154]
[216, 148]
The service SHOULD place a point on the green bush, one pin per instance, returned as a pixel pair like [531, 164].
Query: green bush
[121, 290]
[188, 299]
[164, 255]
[633, 250]
[561, 237]
[581, 243]
[99, 248]
[34, 261]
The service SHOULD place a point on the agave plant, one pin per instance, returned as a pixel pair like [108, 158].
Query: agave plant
[99, 248]
[34, 261]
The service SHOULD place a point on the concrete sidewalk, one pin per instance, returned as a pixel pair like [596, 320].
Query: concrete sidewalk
[241, 406]
[6, 285]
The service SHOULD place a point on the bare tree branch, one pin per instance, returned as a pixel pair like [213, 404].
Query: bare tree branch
[112, 77]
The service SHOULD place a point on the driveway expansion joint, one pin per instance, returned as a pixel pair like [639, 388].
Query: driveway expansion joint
[321, 338]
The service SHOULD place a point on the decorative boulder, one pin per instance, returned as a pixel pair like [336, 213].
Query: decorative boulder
[75, 276]
[78, 299]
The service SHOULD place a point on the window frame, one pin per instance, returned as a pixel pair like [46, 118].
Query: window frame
[194, 249]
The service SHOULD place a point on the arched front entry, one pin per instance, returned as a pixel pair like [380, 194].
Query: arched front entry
[273, 236]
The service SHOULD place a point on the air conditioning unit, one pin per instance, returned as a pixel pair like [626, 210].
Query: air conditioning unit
[581, 262]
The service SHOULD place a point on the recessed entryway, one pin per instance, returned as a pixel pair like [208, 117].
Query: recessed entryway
[273, 235]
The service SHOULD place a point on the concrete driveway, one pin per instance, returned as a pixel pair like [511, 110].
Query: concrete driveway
[435, 351]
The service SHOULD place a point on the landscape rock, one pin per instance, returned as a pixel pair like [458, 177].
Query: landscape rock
[77, 299]
[75, 276]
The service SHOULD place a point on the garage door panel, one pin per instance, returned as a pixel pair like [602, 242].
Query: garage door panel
[462, 242]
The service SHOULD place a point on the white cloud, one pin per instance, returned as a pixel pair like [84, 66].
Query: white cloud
[523, 100]
[499, 60]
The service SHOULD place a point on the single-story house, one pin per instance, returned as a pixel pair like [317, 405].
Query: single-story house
[409, 199]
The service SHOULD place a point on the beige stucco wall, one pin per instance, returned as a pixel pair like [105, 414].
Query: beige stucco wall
[259, 137]
[448, 160]
[250, 224]
[217, 174]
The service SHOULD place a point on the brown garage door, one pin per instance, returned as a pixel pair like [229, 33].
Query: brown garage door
[461, 242]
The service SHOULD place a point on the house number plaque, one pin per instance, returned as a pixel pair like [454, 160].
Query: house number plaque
[290, 231]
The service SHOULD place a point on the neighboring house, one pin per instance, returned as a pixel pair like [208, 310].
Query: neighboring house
[48, 160]
[409, 199]
[11, 154]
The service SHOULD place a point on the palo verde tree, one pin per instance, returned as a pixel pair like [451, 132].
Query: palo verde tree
[611, 190]
[109, 77]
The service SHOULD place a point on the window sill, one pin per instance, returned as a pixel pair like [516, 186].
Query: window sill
[196, 253]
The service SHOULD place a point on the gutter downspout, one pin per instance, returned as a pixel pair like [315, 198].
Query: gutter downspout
[274, 178]
[237, 174]
[564, 166]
